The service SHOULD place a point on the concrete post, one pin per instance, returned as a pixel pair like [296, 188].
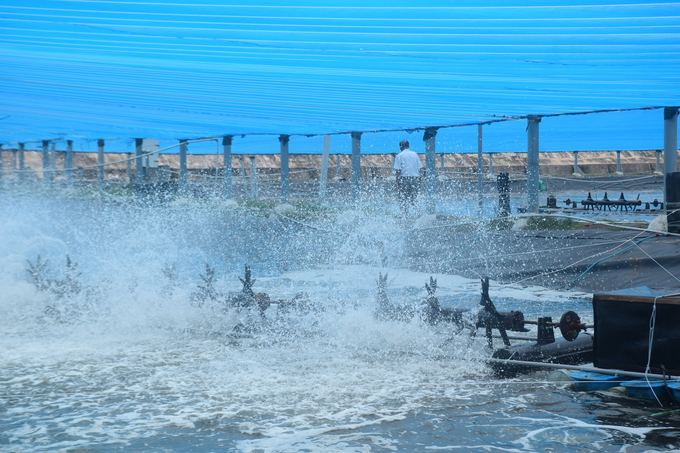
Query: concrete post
[672, 204]
[480, 169]
[14, 159]
[100, 162]
[532, 163]
[576, 173]
[46, 161]
[243, 172]
[670, 144]
[253, 178]
[146, 168]
[21, 162]
[139, 167]
[490, 164]
[356, 166]
[324, 168]
[285, 169]
[618, 163]
[68, 162]
[430, 170]
[226, 148]
[658, 157]
[53, 158]
[183, 167]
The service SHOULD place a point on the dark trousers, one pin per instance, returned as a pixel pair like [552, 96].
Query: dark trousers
[408, 192]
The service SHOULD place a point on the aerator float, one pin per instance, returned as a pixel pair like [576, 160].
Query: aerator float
[605, 203]
[570, 349]
[247, 300]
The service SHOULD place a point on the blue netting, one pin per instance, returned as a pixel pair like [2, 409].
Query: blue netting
[89, 69]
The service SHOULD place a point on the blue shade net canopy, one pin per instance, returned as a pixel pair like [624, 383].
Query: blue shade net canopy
[84, 70]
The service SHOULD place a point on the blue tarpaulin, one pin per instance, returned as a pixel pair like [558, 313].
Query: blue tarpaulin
[84, 70]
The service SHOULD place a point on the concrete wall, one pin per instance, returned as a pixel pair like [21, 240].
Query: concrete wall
[374, 166]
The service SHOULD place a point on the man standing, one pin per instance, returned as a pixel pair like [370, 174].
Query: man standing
[407, 169]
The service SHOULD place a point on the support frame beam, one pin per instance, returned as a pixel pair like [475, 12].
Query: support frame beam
[46, 161]
[100, 164]
[226, 149]
[22, 147]
[670, 144]
[68, 162]
[284, 140]
[356, 167]
[139, 166]
[429, 137]
[576, 173]
[253, 178]
[480, 170]
[183, 167]
[323, 177]
[532, 162]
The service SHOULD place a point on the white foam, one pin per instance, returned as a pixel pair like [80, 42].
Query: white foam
[136, 364]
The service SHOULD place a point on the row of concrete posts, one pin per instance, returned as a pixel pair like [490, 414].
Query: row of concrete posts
[670, 162]
[669, 151]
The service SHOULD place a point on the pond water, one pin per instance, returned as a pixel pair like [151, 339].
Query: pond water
[129, 361]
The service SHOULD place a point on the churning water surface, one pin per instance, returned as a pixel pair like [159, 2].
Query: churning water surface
[130, 360]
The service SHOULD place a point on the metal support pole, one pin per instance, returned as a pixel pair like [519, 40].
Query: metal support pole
[128, 171]
[285, 169]
[139, 172]
[68, 162]
[21, 162]
[183, 167]
[658, 158]
[324, 168]
[480, 169]
[226, 148]
[338, 166]
[100, 162]
[532, 163]
[53, 158]
[46, 161]
[430, 170]
[356, 166]
[490, 164]
[253, 178]
[618, 163]
[670, 144]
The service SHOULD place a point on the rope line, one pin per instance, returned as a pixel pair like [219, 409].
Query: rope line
[234, 231]
[266, 234]
[281, 244]
[607, 257]
[652, 323]
[467, 247]
[659, 264]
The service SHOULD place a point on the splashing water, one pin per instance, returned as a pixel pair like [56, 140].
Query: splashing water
[132, 363]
